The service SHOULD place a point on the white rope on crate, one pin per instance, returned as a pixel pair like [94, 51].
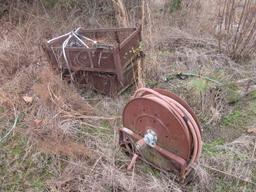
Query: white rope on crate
[77, 36]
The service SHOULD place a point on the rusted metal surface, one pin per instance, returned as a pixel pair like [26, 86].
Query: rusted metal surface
[178, 132]
[108, 84]
[112, 53]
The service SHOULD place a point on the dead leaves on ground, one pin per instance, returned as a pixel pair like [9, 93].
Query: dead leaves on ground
[27, 99]
[251, 130]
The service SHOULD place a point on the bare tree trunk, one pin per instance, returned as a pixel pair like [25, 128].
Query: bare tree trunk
[121, 11]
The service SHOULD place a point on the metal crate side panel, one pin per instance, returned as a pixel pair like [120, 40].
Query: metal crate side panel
[91, 60]
[108, 83]
[130, 50]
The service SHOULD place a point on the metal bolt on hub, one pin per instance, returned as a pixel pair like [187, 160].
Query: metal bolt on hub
[150, 138]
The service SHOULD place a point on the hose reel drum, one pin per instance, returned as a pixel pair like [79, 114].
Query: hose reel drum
[161, 129]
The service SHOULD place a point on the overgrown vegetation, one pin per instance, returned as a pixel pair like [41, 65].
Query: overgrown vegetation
[175, 5]
[55, 137]
[237, 27]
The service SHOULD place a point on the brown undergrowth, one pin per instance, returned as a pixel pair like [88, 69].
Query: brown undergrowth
[73, 139]
[64, 138]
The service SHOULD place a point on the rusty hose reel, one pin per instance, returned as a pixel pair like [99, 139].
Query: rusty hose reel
[161, 129]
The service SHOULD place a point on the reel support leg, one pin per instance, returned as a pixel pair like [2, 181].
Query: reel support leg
[139, 144]
[133, 161]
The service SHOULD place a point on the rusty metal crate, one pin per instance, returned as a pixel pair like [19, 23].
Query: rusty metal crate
[107, 83]
[114, 54]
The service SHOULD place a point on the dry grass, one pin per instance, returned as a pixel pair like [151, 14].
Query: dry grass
[67, 142]
[235, 161]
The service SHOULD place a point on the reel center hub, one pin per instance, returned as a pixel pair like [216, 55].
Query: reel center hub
[150, 138]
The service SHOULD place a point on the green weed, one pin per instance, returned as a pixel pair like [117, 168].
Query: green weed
[233, 94]
[21, 169]
[243, 113]
[232, 118]
[199, 85]
[1, 109]
[212, 149]
[253, 95]
[175, 5]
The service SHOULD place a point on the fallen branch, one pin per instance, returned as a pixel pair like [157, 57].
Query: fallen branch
[229, 174]
[91, 117]
[186, 75]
